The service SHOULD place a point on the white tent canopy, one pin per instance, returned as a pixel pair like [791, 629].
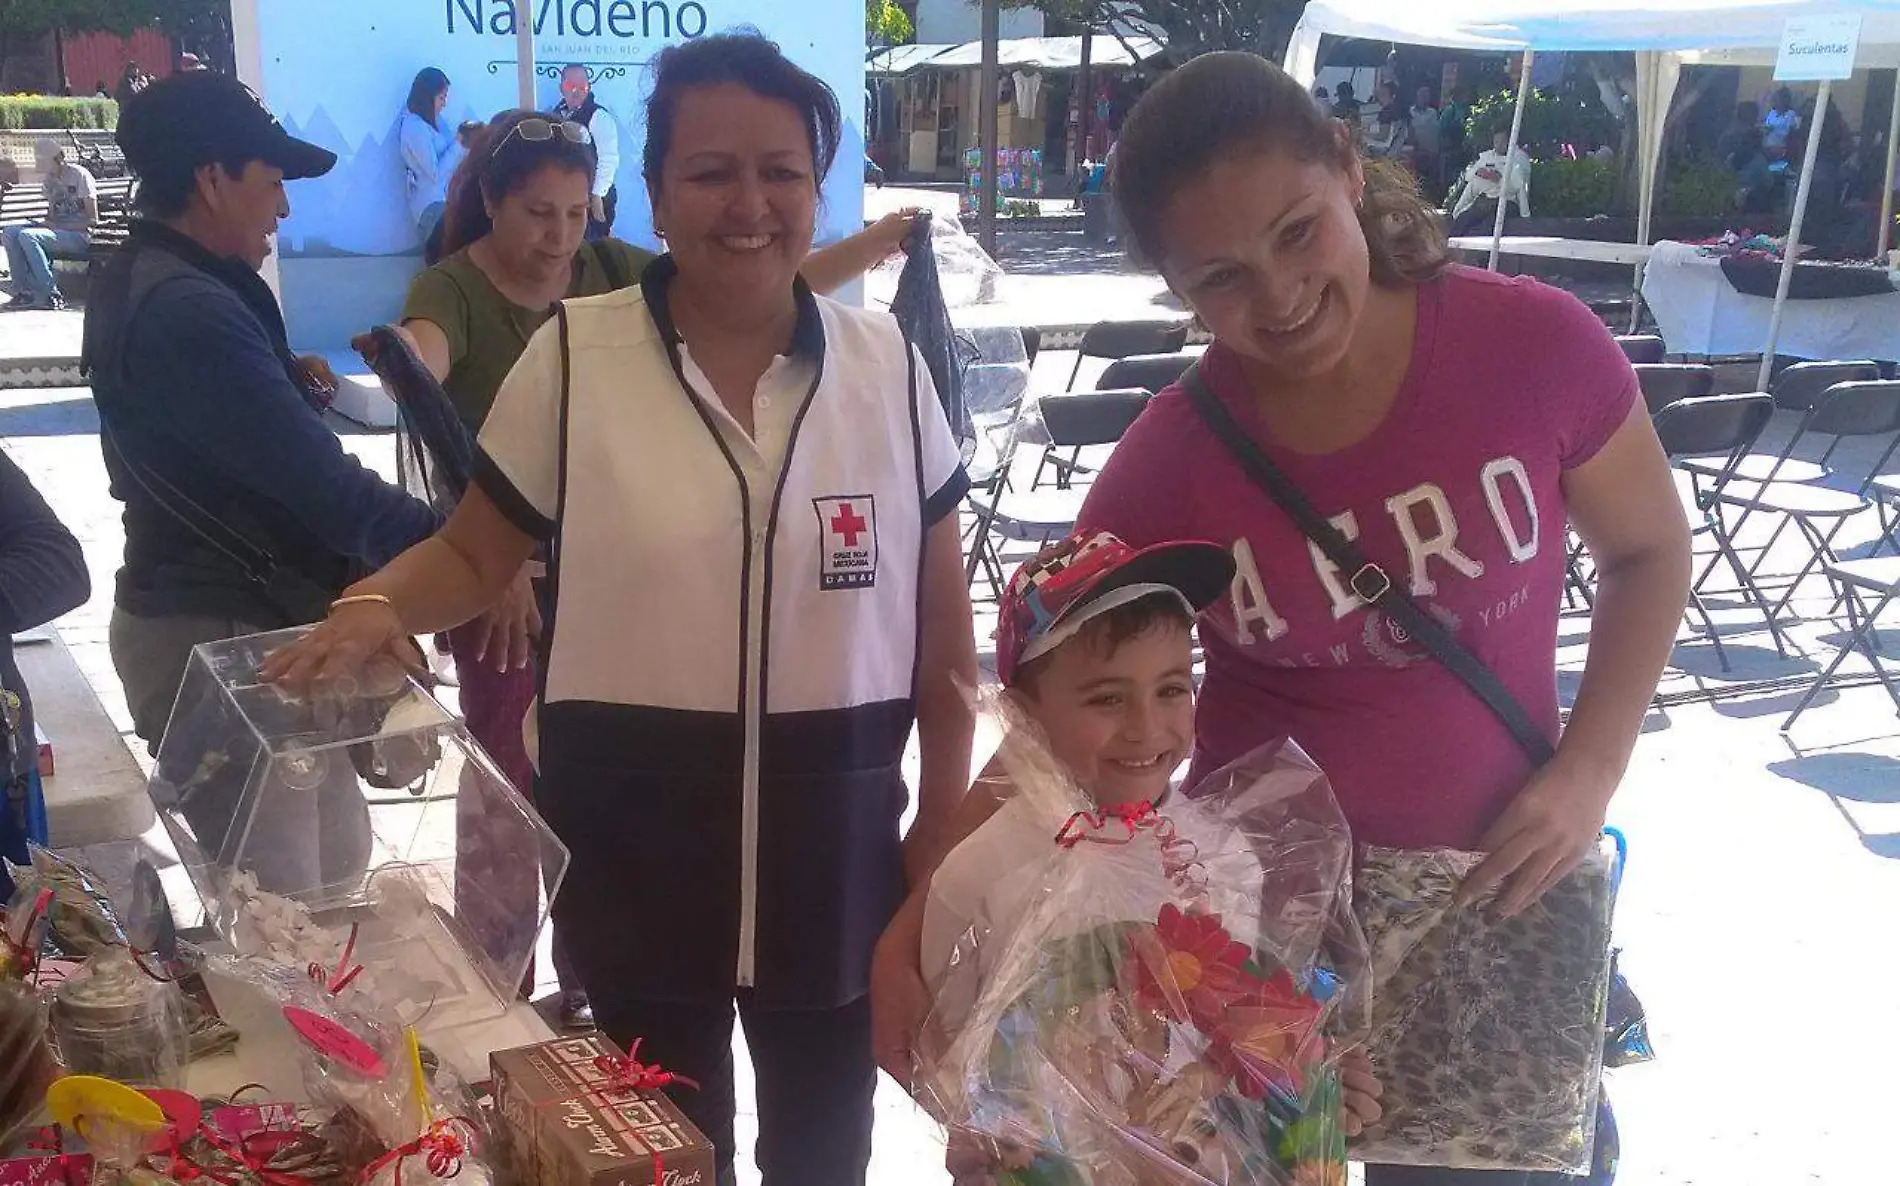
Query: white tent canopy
[1508, 25]
[1664, 34]
[1047, 53]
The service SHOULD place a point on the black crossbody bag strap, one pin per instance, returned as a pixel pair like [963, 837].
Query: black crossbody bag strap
[1367, 579]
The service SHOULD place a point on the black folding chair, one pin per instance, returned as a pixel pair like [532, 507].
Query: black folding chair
[1642, 347]
[1149, 372]
[1113, 341]
[1077, 420]
[995, 389]
[1878, 577]
[1798, 388]
[1032, 343]
[1862, 409]
[1885, 489]
[1664, 383]
[1717, 426]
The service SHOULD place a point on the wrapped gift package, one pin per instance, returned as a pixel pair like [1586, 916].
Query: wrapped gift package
[566, 1122]
[1487, 1034]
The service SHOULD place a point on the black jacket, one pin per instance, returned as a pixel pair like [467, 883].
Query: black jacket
[226, 471]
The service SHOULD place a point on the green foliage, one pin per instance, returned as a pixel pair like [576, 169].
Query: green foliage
[1564, 188]
[37, 111]
[1552, 119]
[1190, 27]
[885, 23]
[1695, 186]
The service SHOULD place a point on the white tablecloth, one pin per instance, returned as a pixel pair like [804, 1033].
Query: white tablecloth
[1699, 312]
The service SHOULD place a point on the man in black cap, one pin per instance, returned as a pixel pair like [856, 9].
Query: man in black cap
[242, 510]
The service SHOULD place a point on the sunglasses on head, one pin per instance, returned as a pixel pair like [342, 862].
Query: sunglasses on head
[542, 130]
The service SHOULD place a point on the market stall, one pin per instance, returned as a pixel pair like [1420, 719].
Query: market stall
[314, 976]
[1699, 309]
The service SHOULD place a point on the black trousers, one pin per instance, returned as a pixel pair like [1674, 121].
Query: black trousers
[598, 228]
[813, 1070]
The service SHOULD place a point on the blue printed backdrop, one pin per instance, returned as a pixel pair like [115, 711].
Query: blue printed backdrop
[336, 72]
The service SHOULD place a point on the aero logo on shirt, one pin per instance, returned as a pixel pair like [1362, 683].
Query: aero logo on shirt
[1430, 531]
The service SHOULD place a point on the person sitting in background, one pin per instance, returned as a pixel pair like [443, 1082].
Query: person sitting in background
[430, 150]
[1322, 98]
[1757, 184]
[131, 82]
[1346, 106]
[72, 206]
[99, 90]
[1779, 125]
[1500, 174]
[42, 575]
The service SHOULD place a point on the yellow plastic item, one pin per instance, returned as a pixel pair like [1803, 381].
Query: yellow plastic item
[82, 1101]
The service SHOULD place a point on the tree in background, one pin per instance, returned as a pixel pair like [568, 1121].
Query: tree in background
[201, 26]
[1190, 27]
[885, 24]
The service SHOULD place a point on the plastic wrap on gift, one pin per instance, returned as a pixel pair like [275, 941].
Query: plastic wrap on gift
[1487, 1036]
[1150, 1000]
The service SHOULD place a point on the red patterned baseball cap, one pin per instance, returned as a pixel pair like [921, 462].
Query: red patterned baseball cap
[1053, 596]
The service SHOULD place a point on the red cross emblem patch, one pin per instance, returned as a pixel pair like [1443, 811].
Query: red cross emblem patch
[847, 541]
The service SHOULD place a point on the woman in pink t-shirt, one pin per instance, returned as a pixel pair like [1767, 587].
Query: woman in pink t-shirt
[1449, 420]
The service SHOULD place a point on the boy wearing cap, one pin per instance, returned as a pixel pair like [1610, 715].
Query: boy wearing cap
[1095, 647]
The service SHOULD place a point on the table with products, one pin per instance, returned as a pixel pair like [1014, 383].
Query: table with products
[1699, 311]
[1553, 247]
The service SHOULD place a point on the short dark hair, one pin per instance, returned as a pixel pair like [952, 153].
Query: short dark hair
[1108, 632]
[164, 190]
[746, 58]
[499, 163]
[429, 83]
[1223, 104]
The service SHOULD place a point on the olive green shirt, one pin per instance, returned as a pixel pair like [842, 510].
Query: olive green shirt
[487, 332]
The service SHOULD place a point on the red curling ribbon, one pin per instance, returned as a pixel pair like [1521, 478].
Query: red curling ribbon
[1086, 825]
[442, 1146]
[335, 982]
[629, 1074]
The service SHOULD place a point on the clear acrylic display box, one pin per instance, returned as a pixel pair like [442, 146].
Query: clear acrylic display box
[367, 802]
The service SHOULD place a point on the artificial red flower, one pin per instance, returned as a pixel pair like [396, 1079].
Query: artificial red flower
[1267, 1036]
[1188, 967]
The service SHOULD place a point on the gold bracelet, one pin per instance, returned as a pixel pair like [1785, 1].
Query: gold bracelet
[361, 599]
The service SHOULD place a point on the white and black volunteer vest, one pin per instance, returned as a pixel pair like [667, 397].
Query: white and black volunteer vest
[728, 681]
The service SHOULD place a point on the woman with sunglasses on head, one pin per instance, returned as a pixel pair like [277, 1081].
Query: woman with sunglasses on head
[750, 494]
[513, 247]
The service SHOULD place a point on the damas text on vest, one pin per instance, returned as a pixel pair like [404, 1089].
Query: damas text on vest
[1430, 531]
[642, 20]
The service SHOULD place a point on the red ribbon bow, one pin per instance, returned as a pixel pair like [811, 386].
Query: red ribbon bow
[1084, 825]
[184, 1168]
[443, 1145]
[335, 982]
[630, 1074]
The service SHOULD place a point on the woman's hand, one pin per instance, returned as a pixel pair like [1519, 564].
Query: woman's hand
[509, 628]
[338, 647]
[888, 232]
[1360, 1092]
[365, 344]
[1542, 836]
